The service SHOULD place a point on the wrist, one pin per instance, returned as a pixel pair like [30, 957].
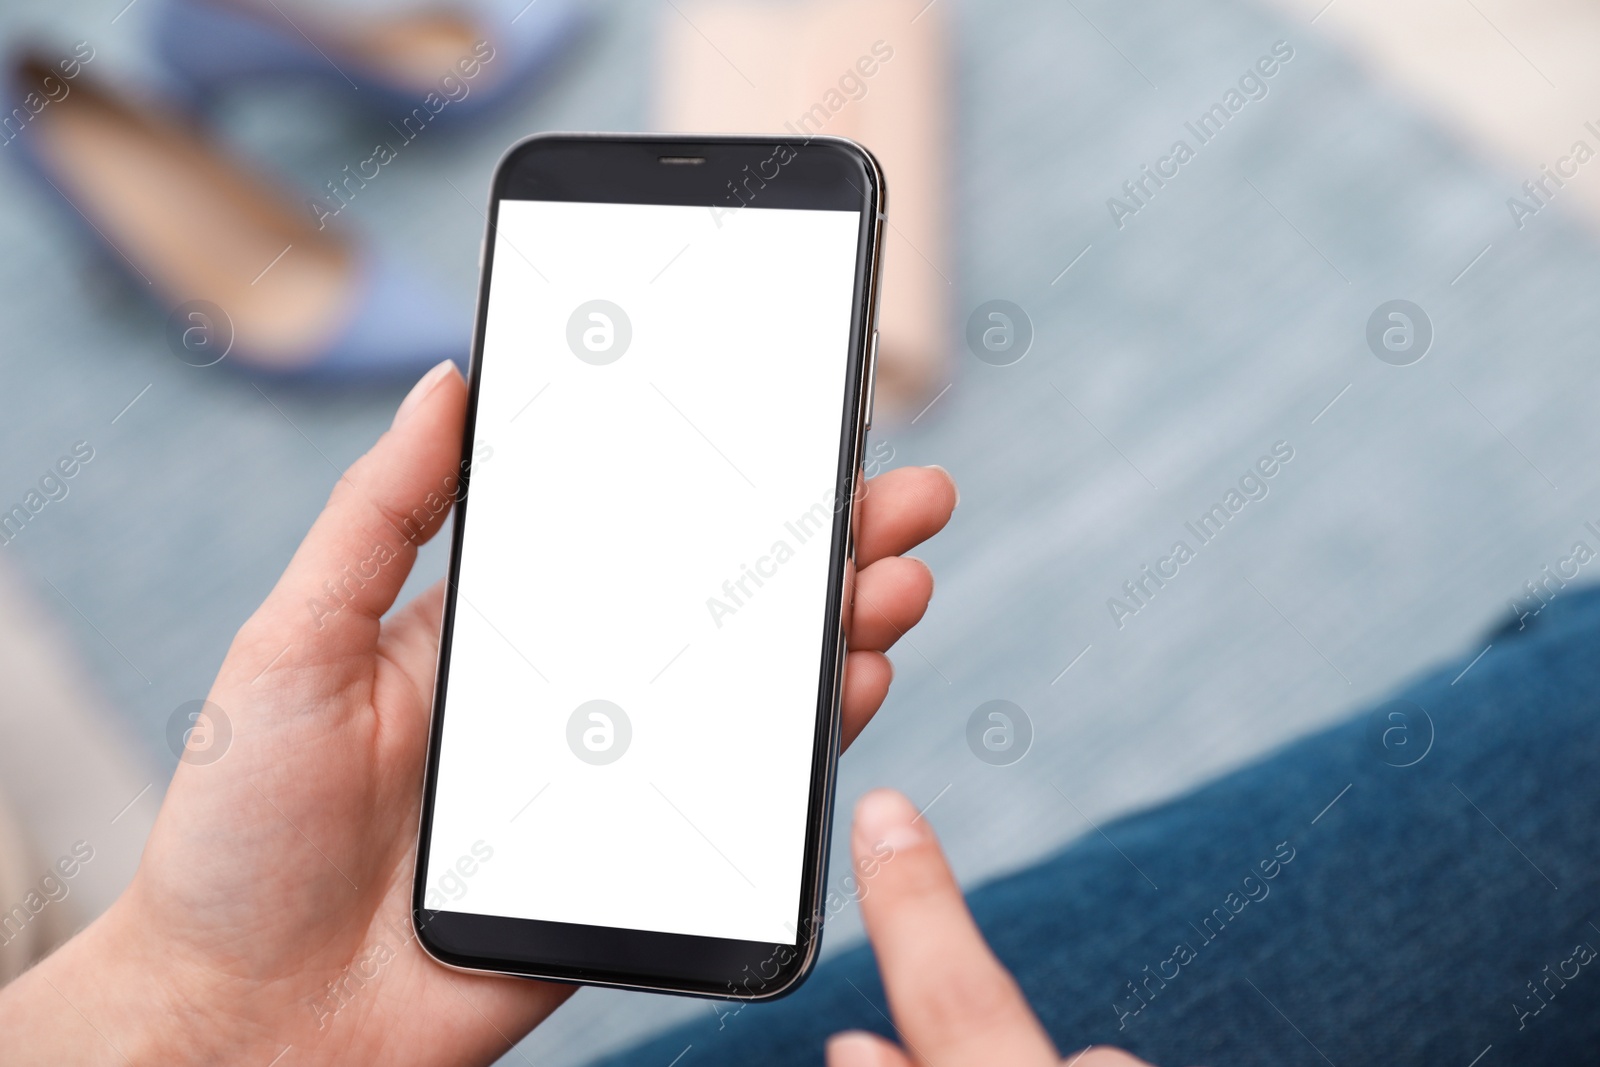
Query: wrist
[113, 994]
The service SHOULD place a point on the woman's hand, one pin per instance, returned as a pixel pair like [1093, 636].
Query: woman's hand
[954, 1005]
[270, 916]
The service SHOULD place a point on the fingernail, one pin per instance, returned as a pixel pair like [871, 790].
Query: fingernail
[854, 1048]
[887, 817]
[420, 390]
[918, 559]
[947, 474]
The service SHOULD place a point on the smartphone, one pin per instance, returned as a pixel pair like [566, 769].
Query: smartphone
[636, 714]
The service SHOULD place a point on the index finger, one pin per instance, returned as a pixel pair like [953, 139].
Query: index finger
[902, 508]
[954, 1004]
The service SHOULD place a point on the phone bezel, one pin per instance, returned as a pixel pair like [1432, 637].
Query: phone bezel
[629, 169]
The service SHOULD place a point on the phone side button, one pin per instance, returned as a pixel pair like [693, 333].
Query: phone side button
[872, 378]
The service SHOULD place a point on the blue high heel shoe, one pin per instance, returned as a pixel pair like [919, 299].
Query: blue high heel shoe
[454, 62]
[221, 248]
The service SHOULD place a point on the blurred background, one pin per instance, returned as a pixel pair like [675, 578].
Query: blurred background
[1156, 339]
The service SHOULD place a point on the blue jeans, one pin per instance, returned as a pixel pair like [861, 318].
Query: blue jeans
[1415, 885]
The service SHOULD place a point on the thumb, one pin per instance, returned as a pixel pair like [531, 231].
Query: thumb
[352, 564]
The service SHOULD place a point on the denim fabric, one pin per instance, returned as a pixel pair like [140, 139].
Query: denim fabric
[1444, 905]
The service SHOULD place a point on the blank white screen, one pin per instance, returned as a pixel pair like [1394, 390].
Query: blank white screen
[616, 503]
